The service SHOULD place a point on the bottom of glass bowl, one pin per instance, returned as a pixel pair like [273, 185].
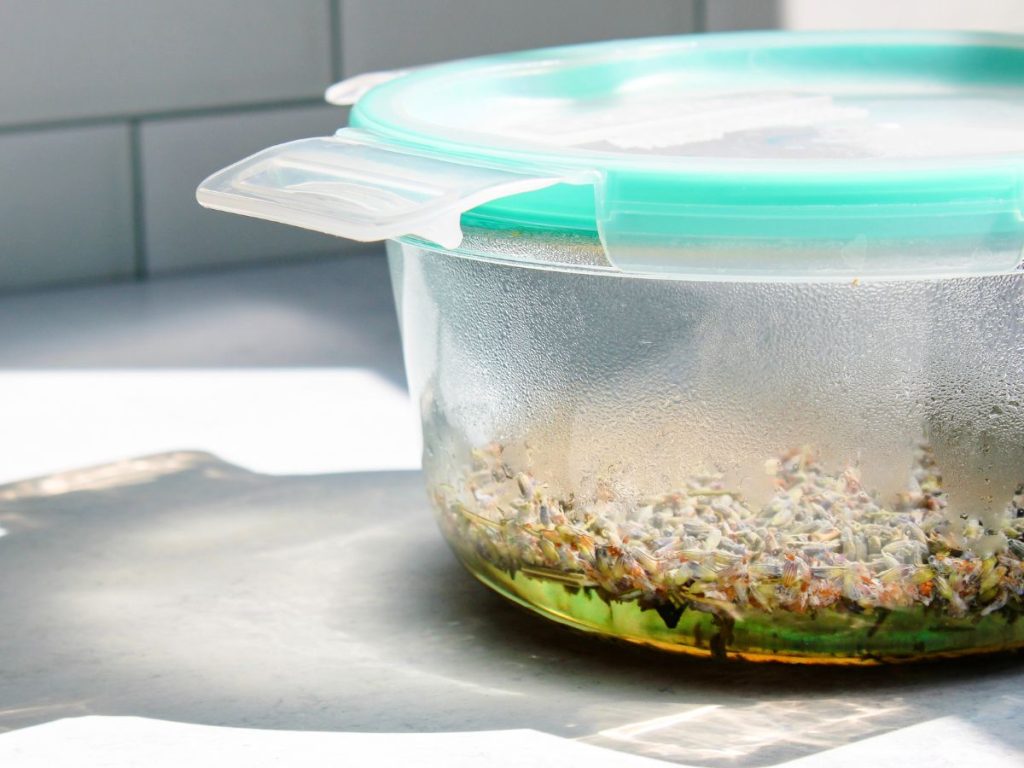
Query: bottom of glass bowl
[826, 637]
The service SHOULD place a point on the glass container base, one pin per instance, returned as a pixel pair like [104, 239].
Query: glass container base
[825, 637]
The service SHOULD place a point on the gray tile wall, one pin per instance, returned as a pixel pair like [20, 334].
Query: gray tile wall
[65, 205]
[112, 111]
[729, 15]
[69, 59]
[382, 34]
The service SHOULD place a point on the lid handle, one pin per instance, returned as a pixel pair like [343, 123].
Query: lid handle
[356, 186]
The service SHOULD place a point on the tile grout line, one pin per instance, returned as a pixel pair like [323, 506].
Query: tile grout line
[138, 199]
[700, 16]
[173, 114]
[334, 25]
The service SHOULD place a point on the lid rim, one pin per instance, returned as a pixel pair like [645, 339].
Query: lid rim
[371, 112]
[986, 189]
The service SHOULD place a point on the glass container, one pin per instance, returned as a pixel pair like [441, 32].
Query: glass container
[718, 341]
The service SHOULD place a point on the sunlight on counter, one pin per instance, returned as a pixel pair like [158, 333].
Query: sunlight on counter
[274, 421]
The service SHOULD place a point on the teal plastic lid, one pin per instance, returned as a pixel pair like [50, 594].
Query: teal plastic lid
[860, 151]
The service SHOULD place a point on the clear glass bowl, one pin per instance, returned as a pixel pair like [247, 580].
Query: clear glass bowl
[797, 470]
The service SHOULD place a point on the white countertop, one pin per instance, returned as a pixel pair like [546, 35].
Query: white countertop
[288, 601]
